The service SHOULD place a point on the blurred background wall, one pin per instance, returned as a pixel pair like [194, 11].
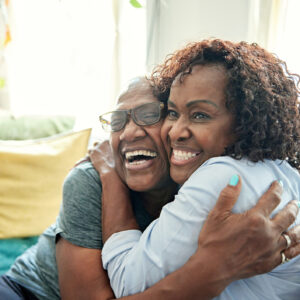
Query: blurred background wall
[73, 57]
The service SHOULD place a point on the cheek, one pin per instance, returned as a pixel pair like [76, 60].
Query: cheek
[205, 138]
[155, 134]
[165, 129]
[212, 142]
[114, 141]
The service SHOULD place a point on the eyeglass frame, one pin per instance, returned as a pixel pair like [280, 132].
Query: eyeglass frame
[129, 115]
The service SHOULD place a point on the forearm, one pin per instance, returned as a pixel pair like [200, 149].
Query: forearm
[136, 261]
[117, 213]
[81, 277]
[197, 279]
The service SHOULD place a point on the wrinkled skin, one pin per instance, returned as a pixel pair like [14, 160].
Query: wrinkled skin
[153, 174]
[250, 242]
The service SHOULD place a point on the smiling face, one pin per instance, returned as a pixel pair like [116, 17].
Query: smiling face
[198, 125]
[140, 157]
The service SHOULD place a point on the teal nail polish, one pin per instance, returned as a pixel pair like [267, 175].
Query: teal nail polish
[298, 203]
[280, 182]
[234, 180]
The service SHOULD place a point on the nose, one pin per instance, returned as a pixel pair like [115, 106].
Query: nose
[179, 130]
[132, 132]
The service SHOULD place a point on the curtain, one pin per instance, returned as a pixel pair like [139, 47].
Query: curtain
[283, 38]
[274, 25]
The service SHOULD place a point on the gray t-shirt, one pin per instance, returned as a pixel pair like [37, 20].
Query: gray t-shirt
[78, 222]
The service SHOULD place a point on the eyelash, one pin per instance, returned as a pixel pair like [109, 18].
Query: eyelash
[173, 115]
[204, 116]
[170, 116]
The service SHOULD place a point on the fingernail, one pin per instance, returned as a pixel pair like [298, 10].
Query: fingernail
[280, 182]
[298, 203]
[234, 180]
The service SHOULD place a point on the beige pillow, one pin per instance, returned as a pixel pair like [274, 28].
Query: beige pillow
[31, 178]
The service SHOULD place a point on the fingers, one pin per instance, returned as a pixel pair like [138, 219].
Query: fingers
[294, 235]
[99, 142]
[286, 216]
[269, 200]
[292, 251]
[99, 146]
[229, 194]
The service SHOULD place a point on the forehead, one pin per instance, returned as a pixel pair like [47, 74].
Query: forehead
[202, 77]
[136, 95]
[204, 82]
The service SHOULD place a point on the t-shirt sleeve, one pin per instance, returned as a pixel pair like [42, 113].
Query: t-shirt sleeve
[136, 261]
[79, 220]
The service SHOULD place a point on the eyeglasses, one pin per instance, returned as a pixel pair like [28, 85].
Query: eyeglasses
[143, 115]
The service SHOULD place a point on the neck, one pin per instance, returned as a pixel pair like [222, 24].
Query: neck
[155, 199]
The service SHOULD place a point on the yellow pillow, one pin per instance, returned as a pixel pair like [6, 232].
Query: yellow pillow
[31, 178]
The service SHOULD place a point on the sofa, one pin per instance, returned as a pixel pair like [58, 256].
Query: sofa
[36, 153]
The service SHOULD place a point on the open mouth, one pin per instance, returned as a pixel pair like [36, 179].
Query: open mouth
[138, 157]
[184, 155]
[181, 157]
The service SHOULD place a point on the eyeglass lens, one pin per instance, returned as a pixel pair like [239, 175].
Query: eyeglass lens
[146, 114]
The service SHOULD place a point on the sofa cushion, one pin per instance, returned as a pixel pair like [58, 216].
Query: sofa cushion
[31, 178]
[33, 127]
[10, 249]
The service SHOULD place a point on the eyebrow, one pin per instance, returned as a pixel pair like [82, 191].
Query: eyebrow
[191, 103]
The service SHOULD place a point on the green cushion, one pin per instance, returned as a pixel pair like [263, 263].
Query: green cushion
[33, 127]
[10, 249]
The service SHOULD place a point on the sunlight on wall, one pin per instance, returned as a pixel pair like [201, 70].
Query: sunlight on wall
[61, 56]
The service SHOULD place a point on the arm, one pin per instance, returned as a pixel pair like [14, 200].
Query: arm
[149, 257]
[78, 256]
[117, 213]
[81, 275]
[79, 241]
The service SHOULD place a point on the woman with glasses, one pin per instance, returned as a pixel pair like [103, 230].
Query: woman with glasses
[66, 262]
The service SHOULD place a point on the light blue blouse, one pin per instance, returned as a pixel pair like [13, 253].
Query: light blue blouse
[136, 261]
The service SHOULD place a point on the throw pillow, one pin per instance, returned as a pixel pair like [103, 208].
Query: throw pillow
[31, 178]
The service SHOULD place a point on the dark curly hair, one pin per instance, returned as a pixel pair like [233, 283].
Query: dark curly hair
[261, 93]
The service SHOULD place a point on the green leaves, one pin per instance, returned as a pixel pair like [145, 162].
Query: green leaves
[135, 3]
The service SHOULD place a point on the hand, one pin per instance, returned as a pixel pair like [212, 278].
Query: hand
[101, 157]
[250, 243]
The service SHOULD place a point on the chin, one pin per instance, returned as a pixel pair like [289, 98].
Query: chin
[140, 186]
[179, 178]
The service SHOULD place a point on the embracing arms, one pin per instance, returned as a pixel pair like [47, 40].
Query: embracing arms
[80, 271]
[81, 275]
[250, 232]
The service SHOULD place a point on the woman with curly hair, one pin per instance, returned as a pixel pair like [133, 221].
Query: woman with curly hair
[233, 115]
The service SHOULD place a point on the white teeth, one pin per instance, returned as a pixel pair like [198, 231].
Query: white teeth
[183, 155]
[129, 155]
[137, 162]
